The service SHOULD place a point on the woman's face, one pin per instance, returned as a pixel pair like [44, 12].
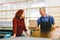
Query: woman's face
[22, 16]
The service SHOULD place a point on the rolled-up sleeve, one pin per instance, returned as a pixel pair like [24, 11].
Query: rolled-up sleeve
[52, 20]
[24, 26]
[25, 29]
[38, 21]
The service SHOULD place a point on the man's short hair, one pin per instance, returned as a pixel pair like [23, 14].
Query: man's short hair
[42, 8]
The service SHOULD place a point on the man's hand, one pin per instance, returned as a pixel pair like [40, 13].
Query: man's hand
[37, 28]
[55, 26]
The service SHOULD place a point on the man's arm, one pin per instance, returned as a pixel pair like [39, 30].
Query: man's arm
[53, 22]
[38, 23]
[55, 26]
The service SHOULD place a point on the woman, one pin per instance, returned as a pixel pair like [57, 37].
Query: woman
[19, 24]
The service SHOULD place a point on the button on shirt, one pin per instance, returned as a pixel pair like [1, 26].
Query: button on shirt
[45, 19]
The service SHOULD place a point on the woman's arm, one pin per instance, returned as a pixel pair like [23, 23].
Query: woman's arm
[14, 35]
[14, 27]
[26, 33]
[25, 30]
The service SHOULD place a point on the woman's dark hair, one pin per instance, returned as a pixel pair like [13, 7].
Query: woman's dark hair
[19, 13]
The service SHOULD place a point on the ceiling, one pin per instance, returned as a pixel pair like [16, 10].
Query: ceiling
[7, 1]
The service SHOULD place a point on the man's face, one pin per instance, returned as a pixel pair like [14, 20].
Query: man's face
[42, 11]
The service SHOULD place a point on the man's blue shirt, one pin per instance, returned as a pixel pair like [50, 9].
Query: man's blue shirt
[45, 19]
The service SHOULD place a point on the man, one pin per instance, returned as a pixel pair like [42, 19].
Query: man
[45, 21]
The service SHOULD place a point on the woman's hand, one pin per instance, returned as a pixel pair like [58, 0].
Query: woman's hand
[14, 35]
[26, 33]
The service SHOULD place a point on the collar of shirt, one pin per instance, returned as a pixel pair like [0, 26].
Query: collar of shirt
[45, 16]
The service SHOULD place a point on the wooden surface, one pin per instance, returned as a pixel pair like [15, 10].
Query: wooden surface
[54, 33]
